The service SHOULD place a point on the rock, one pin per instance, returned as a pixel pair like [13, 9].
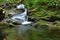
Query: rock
[11, 14]
[2, 15]
[31, 19]
[9, 21]
[16, 23]
[11, 26]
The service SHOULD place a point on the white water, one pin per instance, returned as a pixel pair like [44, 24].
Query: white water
[22, 17]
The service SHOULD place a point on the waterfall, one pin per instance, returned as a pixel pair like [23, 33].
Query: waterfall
[23, 19]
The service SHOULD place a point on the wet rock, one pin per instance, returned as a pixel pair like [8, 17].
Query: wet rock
[16, 23]
[2, 15]
[14, 6]
[11, 14]
[20, 10]
[31, 19]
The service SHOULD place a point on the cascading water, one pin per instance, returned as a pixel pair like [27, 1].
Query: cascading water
[23, 19]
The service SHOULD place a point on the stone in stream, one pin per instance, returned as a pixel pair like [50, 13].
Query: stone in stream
[11, 14]
[31, 19]
[16, 23]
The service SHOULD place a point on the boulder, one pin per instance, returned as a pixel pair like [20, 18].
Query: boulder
[16, 23]
[31, 19]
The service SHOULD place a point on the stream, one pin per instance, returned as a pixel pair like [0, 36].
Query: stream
[23, 19]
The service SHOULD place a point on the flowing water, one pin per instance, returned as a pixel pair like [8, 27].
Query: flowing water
[23, 19]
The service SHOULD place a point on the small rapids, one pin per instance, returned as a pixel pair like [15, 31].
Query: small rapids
[23, 19]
